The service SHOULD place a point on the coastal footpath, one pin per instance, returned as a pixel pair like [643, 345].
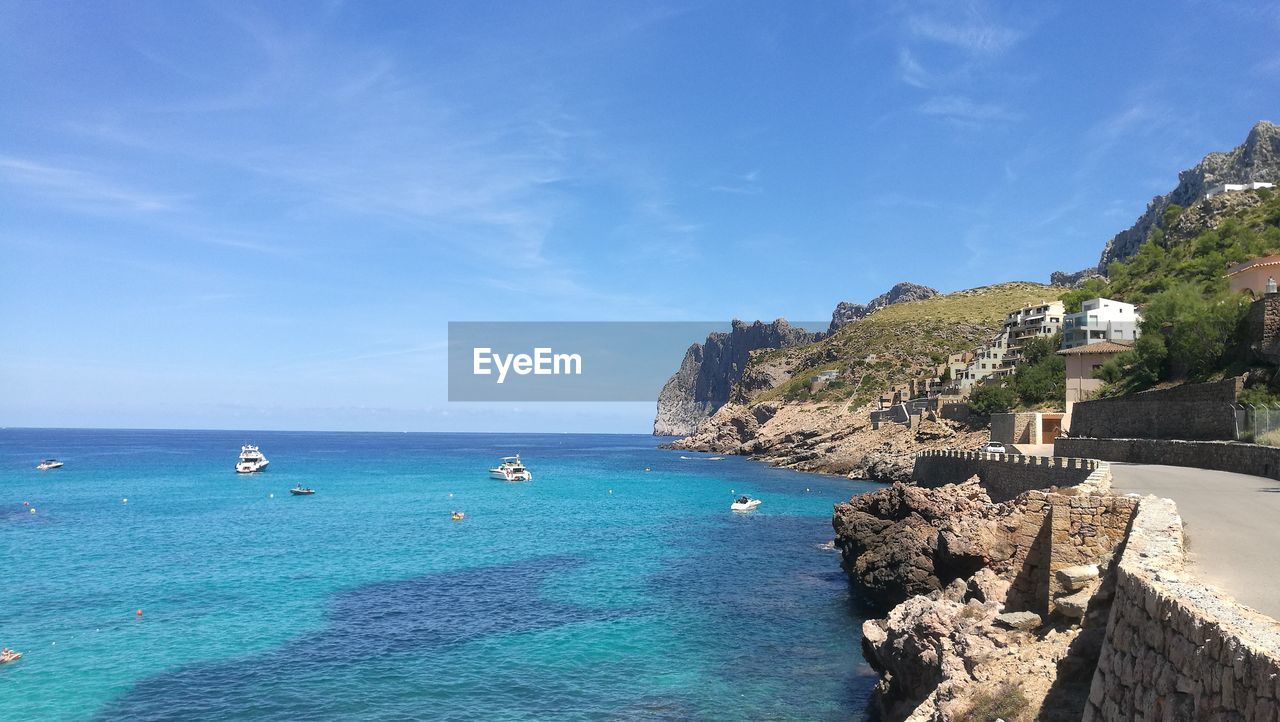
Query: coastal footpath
[1067, 602]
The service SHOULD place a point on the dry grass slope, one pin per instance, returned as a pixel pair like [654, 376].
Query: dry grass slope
[899, 343]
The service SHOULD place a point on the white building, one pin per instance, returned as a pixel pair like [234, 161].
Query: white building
[987, 361]
[1101, 319]
[1037, 320]
[1230, 187]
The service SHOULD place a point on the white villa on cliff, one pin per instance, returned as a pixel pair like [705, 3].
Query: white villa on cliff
[1101, 319]
[1221, 188]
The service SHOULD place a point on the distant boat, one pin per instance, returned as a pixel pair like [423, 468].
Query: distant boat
[458, 516]
[299, 490]
[744, 503]
[48, 464]
[511, 469]
[251, 460]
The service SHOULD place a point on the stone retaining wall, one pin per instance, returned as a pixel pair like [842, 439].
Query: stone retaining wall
[1175, 649]
[1252, 459]
[1057, 531]
[1190, 411]
[1005, 476]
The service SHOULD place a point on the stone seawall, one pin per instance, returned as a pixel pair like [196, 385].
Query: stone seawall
[1005, 476]
[1175, 649]
[1190, 411]
[1252, 459]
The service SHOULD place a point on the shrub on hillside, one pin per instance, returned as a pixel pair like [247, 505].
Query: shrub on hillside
[1187, 334]
[988, 400]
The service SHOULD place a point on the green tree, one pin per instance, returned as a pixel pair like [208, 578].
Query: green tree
[1090, 288]
[1041, 376]
[988, 400]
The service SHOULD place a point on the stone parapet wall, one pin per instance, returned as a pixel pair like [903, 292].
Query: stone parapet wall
[1190, 411]
[1005, 476]
[1252, 459]
[1175, 649]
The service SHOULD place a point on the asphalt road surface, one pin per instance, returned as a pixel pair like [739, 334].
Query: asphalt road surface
[1232, 524]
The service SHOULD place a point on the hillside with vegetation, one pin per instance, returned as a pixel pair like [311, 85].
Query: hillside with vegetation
[778, 414]
[1192, 328]
[893, 346]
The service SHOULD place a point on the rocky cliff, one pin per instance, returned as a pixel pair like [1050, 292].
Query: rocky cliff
[776, 413]
[847, 312]
[1257, 159]
[710, 369]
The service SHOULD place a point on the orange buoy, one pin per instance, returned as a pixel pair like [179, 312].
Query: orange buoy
[138, 613]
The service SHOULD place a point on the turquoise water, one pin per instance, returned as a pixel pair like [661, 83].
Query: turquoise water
[597, 591]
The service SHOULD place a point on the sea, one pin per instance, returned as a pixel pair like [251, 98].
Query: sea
[146, 580]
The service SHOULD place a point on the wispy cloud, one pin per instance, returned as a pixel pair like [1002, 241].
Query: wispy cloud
[84, 190]
[745, 184]
[966, 111]
[966, 27]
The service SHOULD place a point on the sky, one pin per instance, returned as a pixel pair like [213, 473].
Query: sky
[262, 216]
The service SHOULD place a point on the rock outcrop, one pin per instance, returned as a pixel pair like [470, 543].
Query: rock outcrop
[710, 370]
[834, 440]
[847, 312]
[906, 540]
[1257, 159]
[976, 624]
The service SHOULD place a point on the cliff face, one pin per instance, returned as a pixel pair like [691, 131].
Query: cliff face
[847, 312]
[1257, 159]
[777, 414]
[710, 369]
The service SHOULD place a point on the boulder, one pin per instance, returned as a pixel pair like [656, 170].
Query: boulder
[1024, 621]
[1078, 577]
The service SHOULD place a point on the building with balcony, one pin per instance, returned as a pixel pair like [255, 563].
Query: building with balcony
[1101, 319]
[1037, 320]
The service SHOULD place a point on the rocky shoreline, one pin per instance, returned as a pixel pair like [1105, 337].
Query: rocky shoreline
[955, 575]
[826, 440]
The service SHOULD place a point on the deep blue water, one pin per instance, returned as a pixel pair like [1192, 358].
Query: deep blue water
[597, 591]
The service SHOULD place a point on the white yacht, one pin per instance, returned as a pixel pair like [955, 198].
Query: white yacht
[251, 460]
[744, 503]
[511, 470]
[48, 464]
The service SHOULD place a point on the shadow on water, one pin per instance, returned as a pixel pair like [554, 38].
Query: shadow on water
[368, 623]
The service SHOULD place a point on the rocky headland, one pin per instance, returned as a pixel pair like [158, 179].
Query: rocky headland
[712, 370]
[777, 413]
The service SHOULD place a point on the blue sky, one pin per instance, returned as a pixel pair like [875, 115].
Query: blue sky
[235, 216]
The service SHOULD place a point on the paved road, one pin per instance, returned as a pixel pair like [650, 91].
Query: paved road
[1232, 524]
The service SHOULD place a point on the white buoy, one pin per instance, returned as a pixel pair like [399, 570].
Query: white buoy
[451, 495]
[124, 500]
[271, 496]
[611, 491]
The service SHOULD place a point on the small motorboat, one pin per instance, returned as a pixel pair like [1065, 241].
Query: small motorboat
[744, 503]
[251, 460]
[8, 655]
[48, 464]
[511, 469]
[458, 516]
[300, 490]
